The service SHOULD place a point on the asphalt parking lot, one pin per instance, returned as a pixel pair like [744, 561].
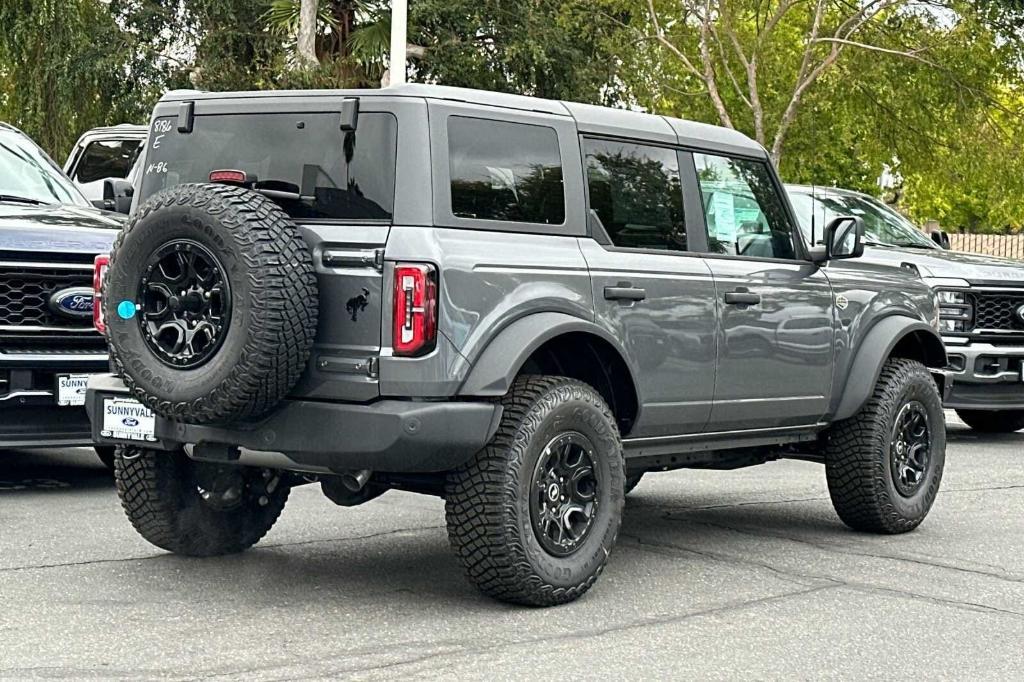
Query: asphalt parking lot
[716, 575]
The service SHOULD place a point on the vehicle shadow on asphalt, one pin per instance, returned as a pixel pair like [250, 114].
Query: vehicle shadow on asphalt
[42, 470]
[961, 434]
[411, 571]
[403, 572]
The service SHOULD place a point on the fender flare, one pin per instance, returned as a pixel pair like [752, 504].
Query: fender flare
[877, 347]
[496, 367]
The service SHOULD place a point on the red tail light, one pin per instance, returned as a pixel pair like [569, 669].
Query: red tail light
[228, 175]
[100, 266]
[415, 309]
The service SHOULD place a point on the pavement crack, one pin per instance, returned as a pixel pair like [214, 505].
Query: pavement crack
[819, 498]
[636, 624]
[981, 489]
[669, 549]
[269, 545]
[837, 549]
[796, 577]
[734, 505]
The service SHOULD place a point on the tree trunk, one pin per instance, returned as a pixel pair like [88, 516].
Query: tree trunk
[307, 34]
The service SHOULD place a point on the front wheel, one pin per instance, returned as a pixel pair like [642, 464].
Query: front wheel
[194, 508]
[884, 464]
[993, 421]
[533, 516]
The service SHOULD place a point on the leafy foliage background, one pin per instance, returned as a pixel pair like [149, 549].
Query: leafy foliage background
[944, 126]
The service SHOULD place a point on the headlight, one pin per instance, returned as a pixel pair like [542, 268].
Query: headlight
[956, 310]
[951, 296]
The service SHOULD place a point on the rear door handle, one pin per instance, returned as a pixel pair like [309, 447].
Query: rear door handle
[742, 298]
[624, 294]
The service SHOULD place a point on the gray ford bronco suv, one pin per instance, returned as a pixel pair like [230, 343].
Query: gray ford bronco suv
[517, 304]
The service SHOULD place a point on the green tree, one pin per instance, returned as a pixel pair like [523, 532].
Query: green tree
[563, 49]
[756, 64]
[842, 93]
[66, 66]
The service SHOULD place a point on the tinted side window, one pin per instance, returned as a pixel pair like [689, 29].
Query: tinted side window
[505, 171]
[744, 213]
[636, 193]
[107, 159]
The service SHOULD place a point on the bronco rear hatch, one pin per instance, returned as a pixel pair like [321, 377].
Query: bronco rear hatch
[331, 168]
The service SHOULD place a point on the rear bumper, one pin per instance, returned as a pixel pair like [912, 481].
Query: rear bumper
[398, 436]
[986, 377]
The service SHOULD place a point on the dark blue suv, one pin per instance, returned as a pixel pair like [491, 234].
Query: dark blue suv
[49, 237]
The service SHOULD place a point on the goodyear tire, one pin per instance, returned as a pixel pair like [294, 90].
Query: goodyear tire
[993, 421]
[533, 516]
[211, 303]
[884, 465]
[193, 508]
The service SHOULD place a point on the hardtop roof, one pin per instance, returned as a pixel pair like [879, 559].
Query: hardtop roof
[826, 190]
[120, 128]
[589, 118]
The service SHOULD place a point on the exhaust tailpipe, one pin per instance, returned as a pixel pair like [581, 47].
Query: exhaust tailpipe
[356, 480]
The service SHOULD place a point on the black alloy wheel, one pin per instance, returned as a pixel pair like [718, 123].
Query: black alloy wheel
[565, 494]
[185, 303]
[534, 515]
[211, 304]
[884, 464]
[910, 448]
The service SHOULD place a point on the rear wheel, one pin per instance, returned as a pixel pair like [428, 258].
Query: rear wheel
[194, 508]
[993, 421]
[884, 464]
[533, 516]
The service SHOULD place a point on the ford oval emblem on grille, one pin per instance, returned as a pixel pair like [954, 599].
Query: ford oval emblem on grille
[1020, 313]
[75, 302]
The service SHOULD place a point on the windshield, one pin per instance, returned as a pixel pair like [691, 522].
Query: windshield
[27, 174]
[882, 225]
[303, 161]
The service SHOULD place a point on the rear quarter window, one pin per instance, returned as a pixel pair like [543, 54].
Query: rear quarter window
[505, 171]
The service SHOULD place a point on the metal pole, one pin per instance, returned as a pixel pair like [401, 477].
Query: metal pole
[399, 21]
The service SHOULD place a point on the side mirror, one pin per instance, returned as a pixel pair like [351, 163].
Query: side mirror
[941, 238]
[844, 238]
[117, 195]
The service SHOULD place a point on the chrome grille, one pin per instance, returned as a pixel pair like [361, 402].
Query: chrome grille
[25, 290]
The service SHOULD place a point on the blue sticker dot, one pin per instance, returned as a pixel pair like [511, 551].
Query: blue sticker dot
[126, 310]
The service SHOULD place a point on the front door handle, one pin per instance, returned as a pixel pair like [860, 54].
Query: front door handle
[624, 294]
[742, 298]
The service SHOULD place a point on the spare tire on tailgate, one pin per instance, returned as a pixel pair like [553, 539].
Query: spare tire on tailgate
[210, 303]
